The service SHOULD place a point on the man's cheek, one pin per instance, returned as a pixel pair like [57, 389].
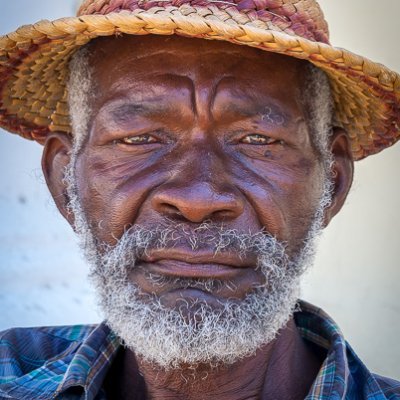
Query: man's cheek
[112, 205]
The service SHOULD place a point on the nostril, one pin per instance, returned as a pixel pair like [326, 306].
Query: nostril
[223, 214]
[168, 208]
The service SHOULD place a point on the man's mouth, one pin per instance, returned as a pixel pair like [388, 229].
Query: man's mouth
[181, 263]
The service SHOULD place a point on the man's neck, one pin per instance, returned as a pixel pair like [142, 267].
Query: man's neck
[284, 369]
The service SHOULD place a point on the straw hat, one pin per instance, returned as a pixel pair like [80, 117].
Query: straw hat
[34, 59]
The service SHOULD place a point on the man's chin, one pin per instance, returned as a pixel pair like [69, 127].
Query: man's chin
[192, 326]
[191, 300]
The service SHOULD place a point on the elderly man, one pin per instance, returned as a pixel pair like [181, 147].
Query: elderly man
[197, 174]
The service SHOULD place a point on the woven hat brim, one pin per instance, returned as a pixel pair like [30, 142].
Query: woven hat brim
[34, 70]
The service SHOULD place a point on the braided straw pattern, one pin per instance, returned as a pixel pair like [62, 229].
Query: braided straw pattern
[34, 59]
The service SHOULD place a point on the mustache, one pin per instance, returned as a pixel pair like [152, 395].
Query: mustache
[212, 237]
[140, 242]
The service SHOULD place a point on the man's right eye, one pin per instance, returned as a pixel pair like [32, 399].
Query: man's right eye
[257, 139]
[138, 140]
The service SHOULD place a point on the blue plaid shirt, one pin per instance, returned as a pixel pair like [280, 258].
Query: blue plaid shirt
[72, 362]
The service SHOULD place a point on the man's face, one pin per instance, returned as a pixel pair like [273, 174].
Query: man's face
[198, 187]
[191, 131]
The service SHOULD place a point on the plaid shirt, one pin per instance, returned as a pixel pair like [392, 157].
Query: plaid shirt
[72, 362]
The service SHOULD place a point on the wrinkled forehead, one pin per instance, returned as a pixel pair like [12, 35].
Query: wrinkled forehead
[133, 61]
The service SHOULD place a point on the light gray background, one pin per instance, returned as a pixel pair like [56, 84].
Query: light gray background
[357, 276]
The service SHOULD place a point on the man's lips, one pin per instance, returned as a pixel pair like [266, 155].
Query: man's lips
[200, 264]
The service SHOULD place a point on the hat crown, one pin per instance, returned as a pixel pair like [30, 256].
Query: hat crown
[34, 60]
[294, 17]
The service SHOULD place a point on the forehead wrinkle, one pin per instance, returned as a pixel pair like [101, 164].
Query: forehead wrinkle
[178, 53]
[185, 81]
[135, 78]
[214, 93]
[151, 99]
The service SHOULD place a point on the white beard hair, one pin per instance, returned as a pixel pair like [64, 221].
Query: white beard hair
[165, 336]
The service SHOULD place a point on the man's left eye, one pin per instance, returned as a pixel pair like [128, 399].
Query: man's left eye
[140, 139]
[255, 138]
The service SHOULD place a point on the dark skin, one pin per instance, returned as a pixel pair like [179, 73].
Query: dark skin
[187, 130]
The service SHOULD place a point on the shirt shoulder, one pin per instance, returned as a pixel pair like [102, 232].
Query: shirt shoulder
[390, 387]
[343, 375]
[26, 353]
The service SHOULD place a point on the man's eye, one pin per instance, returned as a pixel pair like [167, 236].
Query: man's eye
[258, 139]
[140, 139]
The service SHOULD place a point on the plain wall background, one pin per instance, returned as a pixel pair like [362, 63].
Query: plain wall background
[356, 278]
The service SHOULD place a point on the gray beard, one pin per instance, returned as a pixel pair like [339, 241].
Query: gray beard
[169, 337]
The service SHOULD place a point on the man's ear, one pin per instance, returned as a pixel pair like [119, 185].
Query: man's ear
[342, 171]
[56, 157]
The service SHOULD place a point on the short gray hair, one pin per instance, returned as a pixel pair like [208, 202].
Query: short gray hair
[80, 89]
[316, 98]
[318, 102]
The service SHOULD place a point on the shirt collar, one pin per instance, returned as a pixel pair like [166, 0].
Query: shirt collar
[342, 374]
[91, 362]
[319, 328]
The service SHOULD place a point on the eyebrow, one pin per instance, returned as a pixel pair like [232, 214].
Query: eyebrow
[124, 112]
[268, 113]
[247, 105]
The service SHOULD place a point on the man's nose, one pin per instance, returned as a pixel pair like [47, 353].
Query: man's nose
[198, 202]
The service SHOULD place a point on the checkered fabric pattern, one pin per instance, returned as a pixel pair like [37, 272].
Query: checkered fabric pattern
[72, 362]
